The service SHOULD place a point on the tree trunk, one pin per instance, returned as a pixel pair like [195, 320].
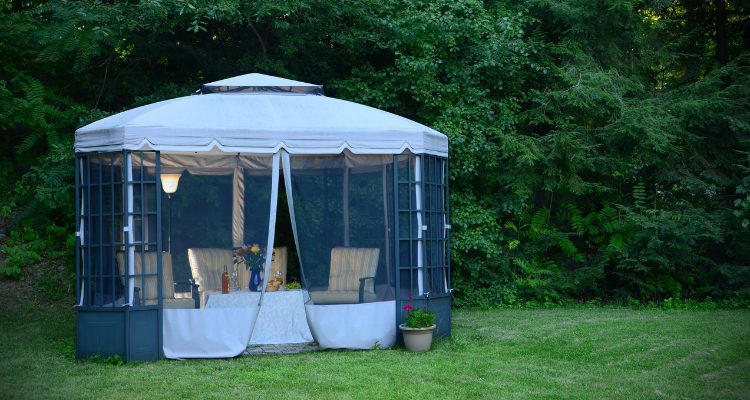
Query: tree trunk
[722, 52]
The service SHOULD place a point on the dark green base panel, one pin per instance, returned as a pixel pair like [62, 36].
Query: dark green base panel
[440, 306]
[442, 309]
[100, 334]
[144, 335]
[103, 334]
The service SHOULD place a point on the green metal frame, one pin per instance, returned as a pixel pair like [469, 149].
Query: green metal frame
[132, 331]
[434, 212]
[135, 331]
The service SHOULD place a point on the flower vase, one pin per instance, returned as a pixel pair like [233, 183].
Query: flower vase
[254, 280]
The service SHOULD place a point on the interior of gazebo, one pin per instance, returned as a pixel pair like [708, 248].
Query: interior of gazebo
[319, 242]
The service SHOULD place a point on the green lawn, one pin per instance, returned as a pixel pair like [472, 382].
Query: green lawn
[561, 353]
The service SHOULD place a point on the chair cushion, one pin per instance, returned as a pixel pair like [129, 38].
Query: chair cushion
[207, 266]
[279, 264]
[348, 265]
[173, 304]
[204, 295]
[149, 285]
[328, 297]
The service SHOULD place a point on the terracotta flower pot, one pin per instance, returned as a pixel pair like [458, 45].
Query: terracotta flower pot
[417, 339]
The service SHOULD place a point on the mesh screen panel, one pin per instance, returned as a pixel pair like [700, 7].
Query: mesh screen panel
[220, 204]
[100, 209]
[200, 216]
[343, 216]
[437, 257]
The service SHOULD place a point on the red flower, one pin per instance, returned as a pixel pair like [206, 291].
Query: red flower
[408, 307]
[409, 297]
[239, 251]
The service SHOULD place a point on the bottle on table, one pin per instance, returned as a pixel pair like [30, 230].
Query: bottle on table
[225, 281]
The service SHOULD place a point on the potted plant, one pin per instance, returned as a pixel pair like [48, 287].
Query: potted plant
[420, 322]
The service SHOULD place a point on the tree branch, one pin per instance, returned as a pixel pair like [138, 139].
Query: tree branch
[262, 42]
[268, 29]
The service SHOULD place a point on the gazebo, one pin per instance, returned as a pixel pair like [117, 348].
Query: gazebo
[172, 194]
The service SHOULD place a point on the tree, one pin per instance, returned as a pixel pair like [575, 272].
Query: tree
[596, 148]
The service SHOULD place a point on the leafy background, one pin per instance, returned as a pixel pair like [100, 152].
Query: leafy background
[599, 150]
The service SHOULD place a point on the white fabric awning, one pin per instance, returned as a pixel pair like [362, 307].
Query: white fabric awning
[260, 122]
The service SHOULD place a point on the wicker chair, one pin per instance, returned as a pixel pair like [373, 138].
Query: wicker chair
[150, 294]
[352, 277]
[207, 266]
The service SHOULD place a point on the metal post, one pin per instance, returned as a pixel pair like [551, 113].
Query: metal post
[346, 207]
[418, 204]
[128, 165]
[78, 230]
[169, 195]
[446, 178]
[385, 223]
[397, 242]
[101, 228]
[159, 263]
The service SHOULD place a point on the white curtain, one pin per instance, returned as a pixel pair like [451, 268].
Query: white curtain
[208, 333]
[349, 326]
[271, 223]
[353, 326]
[220, 332]
[287, 167]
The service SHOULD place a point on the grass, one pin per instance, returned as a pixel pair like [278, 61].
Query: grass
[563, 353]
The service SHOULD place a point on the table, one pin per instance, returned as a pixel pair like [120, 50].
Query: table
[282, 317]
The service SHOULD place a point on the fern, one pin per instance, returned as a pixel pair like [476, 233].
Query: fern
[57, 176]
[639, 195]
[665, 285]
[39, 107]
[576, 220]
[548, 266]
[511, 225]
[30, 141]
[567, 247]
[608, 212]
[538, 223]
[26, 211]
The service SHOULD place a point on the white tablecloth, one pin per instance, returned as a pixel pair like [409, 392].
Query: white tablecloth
[282, 317]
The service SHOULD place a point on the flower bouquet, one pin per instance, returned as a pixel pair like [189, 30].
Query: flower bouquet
[252, 255]
[254, 258]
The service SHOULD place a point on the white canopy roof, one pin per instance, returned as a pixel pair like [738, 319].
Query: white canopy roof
[256, 113]
[259, 80]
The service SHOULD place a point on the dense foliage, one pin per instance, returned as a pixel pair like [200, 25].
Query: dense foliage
[598, 149]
